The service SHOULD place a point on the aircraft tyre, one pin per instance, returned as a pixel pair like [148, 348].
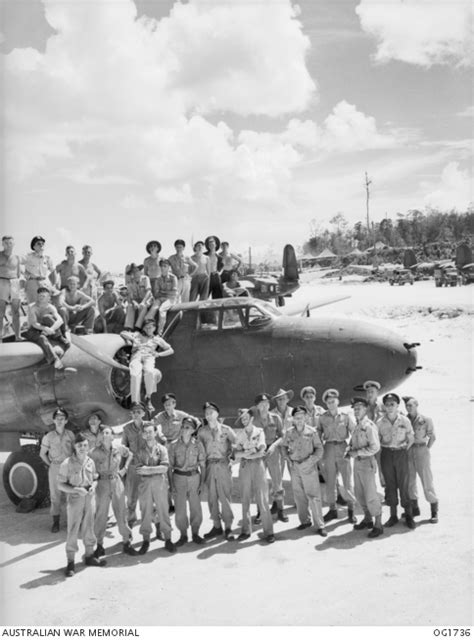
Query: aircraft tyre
[25, 475]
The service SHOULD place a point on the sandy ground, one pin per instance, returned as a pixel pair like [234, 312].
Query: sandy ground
[422, 577]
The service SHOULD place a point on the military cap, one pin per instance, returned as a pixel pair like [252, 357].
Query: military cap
[167, 396]
[330, 393]
[179, 242]
[130, 268]
[109, 281]
[242, 411]
[210, 405]
[137, 405]
[43, 290]
[215, 238]
[35, 240]
[151, 243]
[261, 397]
[192, 421]
[197, 243]
[299, 409]
[408, 398]
[79, 437]
[164, 261]
[371, 383]
[281, 393]
[391, 396]
[306, 390]
[60, 411]
[359, 400]
[149, 321]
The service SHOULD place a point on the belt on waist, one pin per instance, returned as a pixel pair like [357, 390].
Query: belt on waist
[216, 460]
[335, 442]
[37, 278]
[108, 476]
[5, 278]
[394, 448]
[419, 444]
[179, 472]
[303, 459]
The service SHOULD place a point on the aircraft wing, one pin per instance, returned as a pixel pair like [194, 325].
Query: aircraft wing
[303, 308]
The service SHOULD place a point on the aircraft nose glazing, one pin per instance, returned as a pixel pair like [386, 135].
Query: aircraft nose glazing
[412, 357]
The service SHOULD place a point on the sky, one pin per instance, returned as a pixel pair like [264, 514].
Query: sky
[254, 120]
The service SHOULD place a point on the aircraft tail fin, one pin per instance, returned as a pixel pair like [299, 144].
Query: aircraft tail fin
[290, 264]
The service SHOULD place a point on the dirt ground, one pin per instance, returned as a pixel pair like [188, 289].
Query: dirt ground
[421, 577]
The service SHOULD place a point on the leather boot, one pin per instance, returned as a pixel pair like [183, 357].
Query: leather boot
[410, 523]
[434, 513]
[281, 516]
[273, 508]
[415, 509]
[351, 517]
[55, 527]
[393, 517]
[330, 515]
[257, 519]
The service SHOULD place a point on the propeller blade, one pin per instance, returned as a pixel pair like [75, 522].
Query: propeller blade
[91, 350]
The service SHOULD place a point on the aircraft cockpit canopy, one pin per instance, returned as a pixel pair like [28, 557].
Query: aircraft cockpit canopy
[248, 314]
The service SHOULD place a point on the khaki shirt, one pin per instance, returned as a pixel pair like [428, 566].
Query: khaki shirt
[398, 435]
[217, 442]
[152, 457]
[58, 447]
[423, 428]
[145, 345]
[107, 461]
[302, 445]
[187, 457]
[272, 426]
[312, 418]
[138, 290]
[92, 438]
[76, 473]
[375, 411]
[251, 443]
[165, 288]
[286, 418]
[335, 428]
[37, 266]
[132, 437]
[365, 438]
[169, 426]
[180, 265]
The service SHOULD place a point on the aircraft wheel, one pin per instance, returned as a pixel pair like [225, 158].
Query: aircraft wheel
[25, 475]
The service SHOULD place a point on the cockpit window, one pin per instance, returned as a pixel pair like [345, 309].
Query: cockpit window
[232, 319]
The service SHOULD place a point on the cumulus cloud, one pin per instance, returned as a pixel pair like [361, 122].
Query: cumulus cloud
[420, 32]
[135, 104]
[454, 190]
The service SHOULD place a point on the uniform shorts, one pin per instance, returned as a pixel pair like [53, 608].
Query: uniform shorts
[9, 289]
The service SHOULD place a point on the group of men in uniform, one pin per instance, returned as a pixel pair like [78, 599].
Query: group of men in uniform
[163, 464]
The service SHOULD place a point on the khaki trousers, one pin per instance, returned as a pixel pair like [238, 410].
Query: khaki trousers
[252, 480]
[80, 523]
[334, 463]
[273, 464]
[153, 497]
[56, 496]
[186, 491]
[131, 492]
[419, 463]
[365, 487]
[307, 492]
[219, 489]
[111, 491]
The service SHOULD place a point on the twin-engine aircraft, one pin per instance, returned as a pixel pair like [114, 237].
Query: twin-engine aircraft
[225, 350]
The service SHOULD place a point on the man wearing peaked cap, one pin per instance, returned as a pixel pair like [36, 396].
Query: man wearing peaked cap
[168, 423]
[308, 395]
[282, 409]
[363, 446]
[396, 438]
[187, 467]
[56, 446]
[334, 429]
[375, 408]
[39, 269]
[419, 458]
[218, 440]
[272, 426]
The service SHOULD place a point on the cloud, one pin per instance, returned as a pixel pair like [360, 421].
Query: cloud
[454, 190]
[420, 32]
